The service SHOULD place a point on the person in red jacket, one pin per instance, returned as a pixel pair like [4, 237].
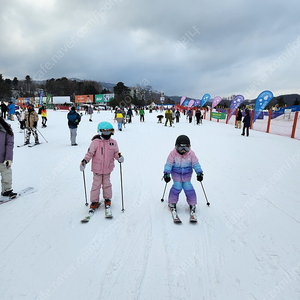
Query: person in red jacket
[102, 151]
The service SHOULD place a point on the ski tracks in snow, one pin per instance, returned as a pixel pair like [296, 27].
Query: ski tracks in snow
[210, 274]
[126, 270]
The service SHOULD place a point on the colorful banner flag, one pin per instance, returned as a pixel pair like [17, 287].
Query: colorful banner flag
[235, 103]
[216, 101]
[41, 98]
[182, 99]
[185, 102]
[197, 102]
[261, 102]
[191, 103]
[205, 98]
[48, 98]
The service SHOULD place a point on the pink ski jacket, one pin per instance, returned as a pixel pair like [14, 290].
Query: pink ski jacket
[102, 153]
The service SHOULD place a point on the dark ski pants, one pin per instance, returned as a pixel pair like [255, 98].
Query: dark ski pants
[247, 130]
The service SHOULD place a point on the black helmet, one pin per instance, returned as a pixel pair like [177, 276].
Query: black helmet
[182, 144]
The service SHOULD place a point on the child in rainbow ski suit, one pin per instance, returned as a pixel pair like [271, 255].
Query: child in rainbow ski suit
[180, 164]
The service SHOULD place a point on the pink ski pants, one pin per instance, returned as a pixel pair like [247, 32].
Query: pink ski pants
[101, 180]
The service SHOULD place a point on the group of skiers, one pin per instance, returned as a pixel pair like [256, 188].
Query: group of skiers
[28, 120]
[103, 150]
[9, 109]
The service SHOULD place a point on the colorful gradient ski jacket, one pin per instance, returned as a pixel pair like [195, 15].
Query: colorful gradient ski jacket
[181, 166]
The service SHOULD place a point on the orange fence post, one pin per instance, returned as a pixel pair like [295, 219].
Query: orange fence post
[252, 115]
[294, 125]
[227, 116]
[269, 120]
[218, 112]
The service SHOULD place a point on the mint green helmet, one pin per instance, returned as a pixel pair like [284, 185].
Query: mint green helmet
[105, 128]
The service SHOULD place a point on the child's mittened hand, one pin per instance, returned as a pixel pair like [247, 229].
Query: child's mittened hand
[200, 177]
[121, 159]
[167, 177]
[82, 165]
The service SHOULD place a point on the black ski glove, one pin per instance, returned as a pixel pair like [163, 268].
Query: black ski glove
[167, 177]
[200, 177]
[34, 124]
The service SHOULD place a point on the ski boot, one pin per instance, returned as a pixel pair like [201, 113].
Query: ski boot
[108, 213]
[9, 194]
[94, 206]
[173, 206]
[193, 216]
[173, 210]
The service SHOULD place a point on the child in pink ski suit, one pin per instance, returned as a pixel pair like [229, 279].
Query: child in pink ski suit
[102, 151]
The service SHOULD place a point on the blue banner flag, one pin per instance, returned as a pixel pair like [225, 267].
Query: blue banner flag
[261, 102]
[41, 98]
[205, 98]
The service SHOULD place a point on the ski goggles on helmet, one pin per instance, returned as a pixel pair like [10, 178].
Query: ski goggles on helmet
[183, 148]
[107, 131]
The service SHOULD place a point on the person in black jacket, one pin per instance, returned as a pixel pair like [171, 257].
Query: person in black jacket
[3, 110]
[246, 122]
[239, 119]
[198, 116]
[73, 121]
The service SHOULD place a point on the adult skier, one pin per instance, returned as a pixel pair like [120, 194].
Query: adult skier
[102, 151]
[177, 115]
[6, 157]
[198, 116]
[120, 118]
[168, 116]
[142, 114]
[189, 115]
[90, 111]
[74, 119]
[246, 122]
[129, 114]
[239, 119]
[31, 120]
[180, 164]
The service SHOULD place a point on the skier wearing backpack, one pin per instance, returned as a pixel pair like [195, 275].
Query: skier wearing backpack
[180, 164]
[102, 151]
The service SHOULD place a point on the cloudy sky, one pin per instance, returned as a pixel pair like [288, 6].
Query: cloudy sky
[184, 48]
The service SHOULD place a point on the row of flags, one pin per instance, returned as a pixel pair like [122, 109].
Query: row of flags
[260, 104]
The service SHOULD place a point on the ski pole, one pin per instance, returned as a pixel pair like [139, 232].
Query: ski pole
[162, 199]
[207, 203]
[121, 184]
[86, 203]
[41, 135]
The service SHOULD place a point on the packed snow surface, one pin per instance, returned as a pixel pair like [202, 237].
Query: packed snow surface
[245, 245]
